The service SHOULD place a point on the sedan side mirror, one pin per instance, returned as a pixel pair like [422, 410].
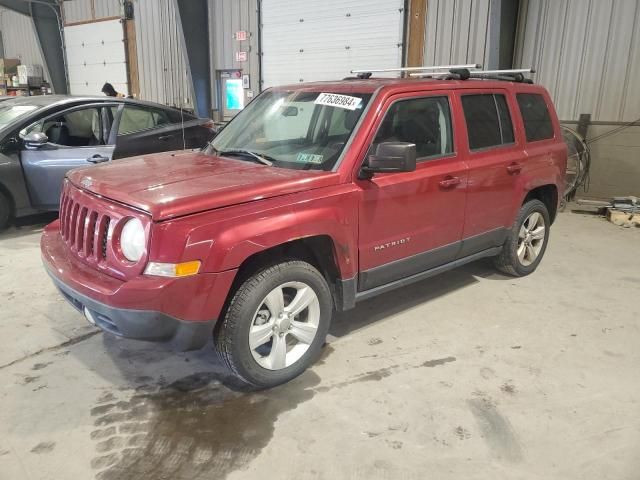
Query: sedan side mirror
[35, 140]
[390, 157]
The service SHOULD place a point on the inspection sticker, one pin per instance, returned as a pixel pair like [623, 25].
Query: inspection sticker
[340, 101]
[310, 158]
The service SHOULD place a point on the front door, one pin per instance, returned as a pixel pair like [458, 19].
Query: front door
[411, 222]
[76, 138]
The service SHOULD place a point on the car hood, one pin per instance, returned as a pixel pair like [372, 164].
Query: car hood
[172, 184]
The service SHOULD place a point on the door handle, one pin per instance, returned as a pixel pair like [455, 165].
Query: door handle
[97, 158]
[514, 168]
[449, 182]
[164, 138]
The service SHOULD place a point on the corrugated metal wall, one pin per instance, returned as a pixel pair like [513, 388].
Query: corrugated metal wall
[161, 64]
[586, 53]
[82, 10]
[225, 18]
[19, 38]
[456, 32]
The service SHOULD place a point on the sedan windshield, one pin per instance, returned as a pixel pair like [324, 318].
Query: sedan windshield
[296, 129]
[11, 113]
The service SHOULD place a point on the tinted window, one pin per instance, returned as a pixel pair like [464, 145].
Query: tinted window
[506, 127]
[537, 123]
[488, 120]
[423, 121]
[136, 119]
[176, 117]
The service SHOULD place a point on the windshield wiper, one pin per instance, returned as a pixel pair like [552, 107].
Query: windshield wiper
[263, 159]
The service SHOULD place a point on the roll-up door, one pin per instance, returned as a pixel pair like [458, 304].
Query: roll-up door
[310, 40]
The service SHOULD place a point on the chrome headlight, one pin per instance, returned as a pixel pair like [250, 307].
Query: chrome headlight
[132, 240]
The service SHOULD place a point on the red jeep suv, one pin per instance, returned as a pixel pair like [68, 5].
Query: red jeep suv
[313, 198]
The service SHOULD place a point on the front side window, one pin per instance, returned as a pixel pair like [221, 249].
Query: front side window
[293, 129]
[137, 119]
[488, 120]
[426, 122]
[537, 122]
[78, 128]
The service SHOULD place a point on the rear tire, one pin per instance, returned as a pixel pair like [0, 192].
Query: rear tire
[5, 211]
[526, 242]
[276, 324]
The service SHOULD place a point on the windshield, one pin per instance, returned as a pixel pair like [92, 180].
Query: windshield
[298, 130]
[11, 113]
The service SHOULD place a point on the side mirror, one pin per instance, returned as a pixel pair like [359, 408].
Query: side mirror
[390, 157]
[35, 140]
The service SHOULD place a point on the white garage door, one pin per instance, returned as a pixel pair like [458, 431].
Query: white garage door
[309, 40]
[95, 55]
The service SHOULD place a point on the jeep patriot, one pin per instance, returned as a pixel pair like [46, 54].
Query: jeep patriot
[313, 198]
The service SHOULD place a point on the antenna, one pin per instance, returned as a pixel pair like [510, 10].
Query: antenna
[415, 69]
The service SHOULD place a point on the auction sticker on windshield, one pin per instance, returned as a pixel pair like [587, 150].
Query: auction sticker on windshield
[340, 101]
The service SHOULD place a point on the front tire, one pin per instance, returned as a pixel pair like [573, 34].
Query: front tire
[276, 324]
[526, 242]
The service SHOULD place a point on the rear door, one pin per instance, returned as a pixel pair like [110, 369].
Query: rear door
[77, 137]
[494, 155]
[145, 129]
[411, 222]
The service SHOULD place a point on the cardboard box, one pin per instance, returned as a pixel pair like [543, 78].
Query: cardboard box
[30, 75]
[9, 66]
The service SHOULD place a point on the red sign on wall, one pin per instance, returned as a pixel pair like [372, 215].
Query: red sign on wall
[240, 35]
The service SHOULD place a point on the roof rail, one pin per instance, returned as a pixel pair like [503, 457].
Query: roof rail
[508, 72]
[416, 69]
[510, 75]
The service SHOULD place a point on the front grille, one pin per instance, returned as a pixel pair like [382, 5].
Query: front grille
[83, 229]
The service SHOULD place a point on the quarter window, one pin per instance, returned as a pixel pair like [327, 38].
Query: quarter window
[423, 121]
[537, 123]
[488, 120]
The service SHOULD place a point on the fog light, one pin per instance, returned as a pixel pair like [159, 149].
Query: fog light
[183, 269]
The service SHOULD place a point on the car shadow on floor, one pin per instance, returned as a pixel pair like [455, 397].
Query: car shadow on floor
[137, 361]
[405, 298]
[28, 225]
[153, 397]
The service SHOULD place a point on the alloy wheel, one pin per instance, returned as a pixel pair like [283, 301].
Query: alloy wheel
[531, 238]
[284, 325]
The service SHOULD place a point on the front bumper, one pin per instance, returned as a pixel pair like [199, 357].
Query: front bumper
[181, 311]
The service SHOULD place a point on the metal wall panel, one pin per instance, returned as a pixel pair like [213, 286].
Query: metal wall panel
[225, 18]
[19, 39]
[456, 32]
[107, 8]
[82, 11]
[76, 11]
[585, 53]
[162, 68]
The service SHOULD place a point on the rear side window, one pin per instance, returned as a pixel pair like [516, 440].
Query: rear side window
[537, 122]
[423, 121]
[488, 120]
[137, 119]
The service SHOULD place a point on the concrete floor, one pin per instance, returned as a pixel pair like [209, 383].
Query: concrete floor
[468, 375]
